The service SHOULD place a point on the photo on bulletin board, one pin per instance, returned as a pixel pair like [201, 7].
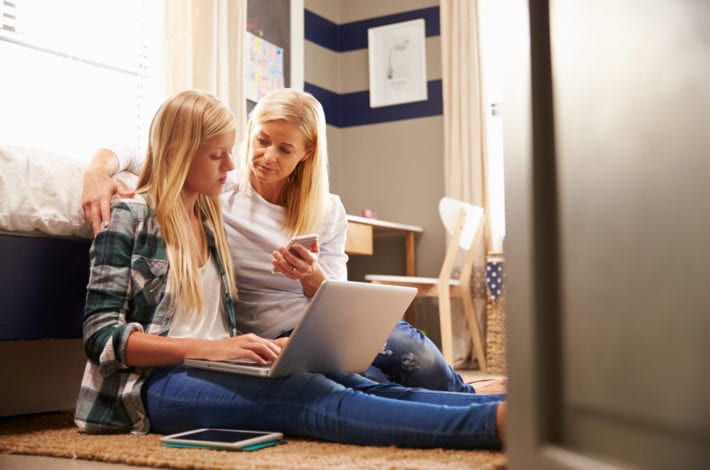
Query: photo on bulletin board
[269, 52]
[397, 60]
[264, 67]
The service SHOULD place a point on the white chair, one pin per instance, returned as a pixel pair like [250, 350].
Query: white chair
[463, 222]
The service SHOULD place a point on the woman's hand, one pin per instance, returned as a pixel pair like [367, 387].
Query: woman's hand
[99, 187]
[246, 346]
[304, 268]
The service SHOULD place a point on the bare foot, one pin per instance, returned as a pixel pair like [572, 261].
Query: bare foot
[489, 386]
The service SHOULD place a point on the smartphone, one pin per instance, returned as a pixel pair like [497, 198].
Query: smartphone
[305, 240]
[222, 438]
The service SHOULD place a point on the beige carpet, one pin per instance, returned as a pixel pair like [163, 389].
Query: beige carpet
[55, 435]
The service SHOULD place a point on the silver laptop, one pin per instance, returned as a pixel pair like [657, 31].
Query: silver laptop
[344, 327]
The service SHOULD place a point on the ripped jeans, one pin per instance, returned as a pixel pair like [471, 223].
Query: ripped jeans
[347, 408]
[411, 359]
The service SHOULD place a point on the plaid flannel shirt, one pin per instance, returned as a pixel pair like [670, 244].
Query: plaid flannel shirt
[129, 290]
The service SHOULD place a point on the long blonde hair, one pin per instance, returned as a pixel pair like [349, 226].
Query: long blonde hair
[181, 124]
[305, 195]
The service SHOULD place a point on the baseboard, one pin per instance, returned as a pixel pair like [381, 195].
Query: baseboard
[40, 376]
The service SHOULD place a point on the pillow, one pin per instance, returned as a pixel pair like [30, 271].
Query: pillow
[40, 190]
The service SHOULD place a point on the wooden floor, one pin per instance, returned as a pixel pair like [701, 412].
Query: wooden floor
[32, 462]
[472, 375]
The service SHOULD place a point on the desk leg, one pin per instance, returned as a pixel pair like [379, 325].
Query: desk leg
[410, 315]
[409, 249]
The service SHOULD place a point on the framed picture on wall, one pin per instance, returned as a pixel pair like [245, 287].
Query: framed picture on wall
[397, 59]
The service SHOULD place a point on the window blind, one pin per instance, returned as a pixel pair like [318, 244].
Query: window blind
[75, 72]
[8, 17]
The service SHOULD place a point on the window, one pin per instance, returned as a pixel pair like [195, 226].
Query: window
[76, 74]
[490, 19]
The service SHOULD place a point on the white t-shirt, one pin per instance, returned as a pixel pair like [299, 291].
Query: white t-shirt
[268, 304]
[210, 323]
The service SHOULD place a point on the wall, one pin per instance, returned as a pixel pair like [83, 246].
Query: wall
[40, 376]
[393, 163]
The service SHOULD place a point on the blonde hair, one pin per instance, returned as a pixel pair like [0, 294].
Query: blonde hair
[305, 194]
[181, 124]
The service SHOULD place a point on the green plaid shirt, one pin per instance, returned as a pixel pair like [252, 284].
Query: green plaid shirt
[129, 290]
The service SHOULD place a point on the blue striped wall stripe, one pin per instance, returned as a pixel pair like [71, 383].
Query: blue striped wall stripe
[353, 109]
[320, 31]
[353, 36]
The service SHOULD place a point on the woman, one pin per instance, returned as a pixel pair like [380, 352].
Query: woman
[161, 290]
[281, 190]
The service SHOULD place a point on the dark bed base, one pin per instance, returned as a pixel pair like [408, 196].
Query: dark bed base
[42, 287]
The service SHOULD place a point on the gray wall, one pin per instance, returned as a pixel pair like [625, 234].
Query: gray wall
[394, 167]
[40, 375]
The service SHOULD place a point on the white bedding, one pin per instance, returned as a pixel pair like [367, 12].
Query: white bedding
[40, 190]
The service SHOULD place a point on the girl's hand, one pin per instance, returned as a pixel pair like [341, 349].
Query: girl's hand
[247, 346]
[305, 269]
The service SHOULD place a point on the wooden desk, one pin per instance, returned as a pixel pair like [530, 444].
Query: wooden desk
[361, 232]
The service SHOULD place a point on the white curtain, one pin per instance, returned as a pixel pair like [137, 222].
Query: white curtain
[464, 135]
[205, 50]
[464, 113]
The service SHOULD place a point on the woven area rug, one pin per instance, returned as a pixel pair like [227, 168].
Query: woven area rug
[55, 435]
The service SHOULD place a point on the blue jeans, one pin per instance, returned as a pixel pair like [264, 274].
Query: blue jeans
[409, 358]
[347, 408]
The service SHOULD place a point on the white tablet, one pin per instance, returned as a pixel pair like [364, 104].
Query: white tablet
[233, 439]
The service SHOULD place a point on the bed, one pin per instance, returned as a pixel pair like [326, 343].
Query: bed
[42, 286]
[44, 267]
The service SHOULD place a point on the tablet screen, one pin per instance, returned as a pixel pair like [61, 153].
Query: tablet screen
[221, 435]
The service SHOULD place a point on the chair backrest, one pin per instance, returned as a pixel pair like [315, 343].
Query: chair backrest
[450, 210]
[462, 222]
